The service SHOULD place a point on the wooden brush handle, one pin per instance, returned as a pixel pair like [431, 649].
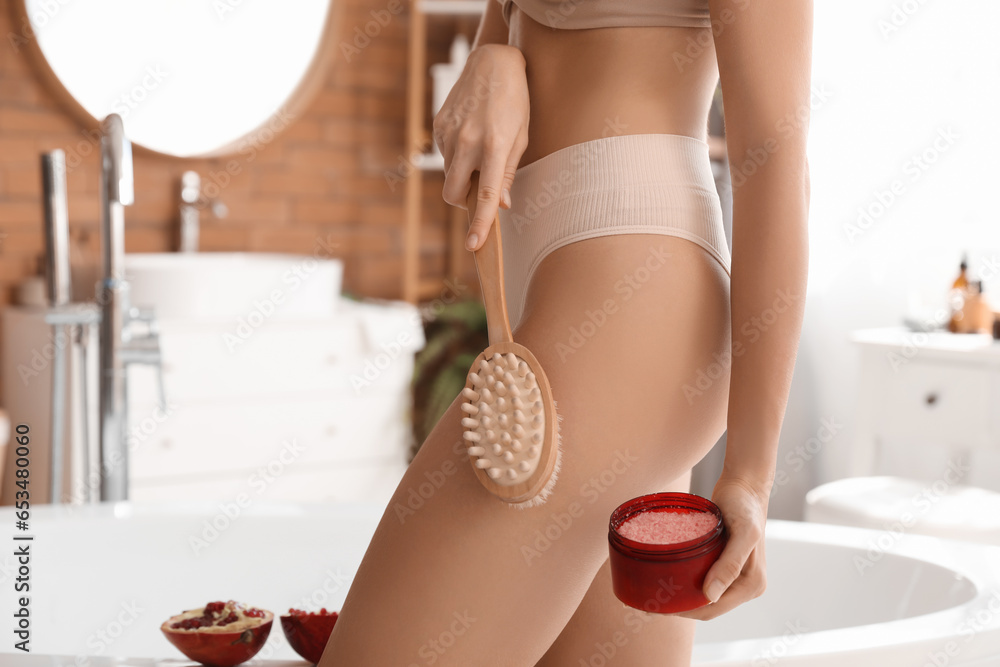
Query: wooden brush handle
[489, 266]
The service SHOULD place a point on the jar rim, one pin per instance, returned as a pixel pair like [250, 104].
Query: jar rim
[661, 501]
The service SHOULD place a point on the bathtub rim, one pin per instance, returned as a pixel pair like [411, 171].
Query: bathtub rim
[932, 629]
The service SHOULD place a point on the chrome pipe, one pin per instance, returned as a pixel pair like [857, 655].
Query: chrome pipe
[190, 215]
[56, 227]
[57, 283]
[83, 346]
[113, 298]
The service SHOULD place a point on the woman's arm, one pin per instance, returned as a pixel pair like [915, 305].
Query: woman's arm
[483, 124]
[492, 28]
[764, 52]
[764, 63]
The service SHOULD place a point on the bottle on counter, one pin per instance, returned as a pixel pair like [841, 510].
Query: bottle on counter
[962, 281]
[975, 314]
[957, 297]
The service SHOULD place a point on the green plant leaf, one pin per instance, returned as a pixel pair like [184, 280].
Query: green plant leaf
[455, 336]
[447, 386]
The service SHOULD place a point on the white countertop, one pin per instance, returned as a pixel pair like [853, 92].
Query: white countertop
[970, 348]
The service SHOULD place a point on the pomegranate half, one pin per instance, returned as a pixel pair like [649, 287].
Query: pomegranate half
[220, 634]
[307, 632]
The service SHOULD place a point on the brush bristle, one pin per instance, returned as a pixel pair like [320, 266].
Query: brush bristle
[546, 491]
[504, 419]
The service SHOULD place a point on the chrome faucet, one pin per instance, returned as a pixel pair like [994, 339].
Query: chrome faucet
[193, 201]
[72, 326]
[118, 344]
[57, 280]
[190, 224]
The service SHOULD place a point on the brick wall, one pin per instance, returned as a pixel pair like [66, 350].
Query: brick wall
[323, 175]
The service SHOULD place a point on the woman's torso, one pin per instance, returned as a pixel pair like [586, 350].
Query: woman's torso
[589, 84]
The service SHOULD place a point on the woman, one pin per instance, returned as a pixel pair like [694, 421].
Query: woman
[610, 218]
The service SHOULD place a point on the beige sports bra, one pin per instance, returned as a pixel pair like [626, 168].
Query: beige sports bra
[577, 14]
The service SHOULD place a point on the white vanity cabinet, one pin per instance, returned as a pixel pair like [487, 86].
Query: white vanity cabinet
[303, 410]
[927, 402]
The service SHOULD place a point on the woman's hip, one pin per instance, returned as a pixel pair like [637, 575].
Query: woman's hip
[648, 184]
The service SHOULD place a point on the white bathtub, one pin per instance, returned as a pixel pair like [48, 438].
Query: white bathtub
[93, 593]
[852, 597]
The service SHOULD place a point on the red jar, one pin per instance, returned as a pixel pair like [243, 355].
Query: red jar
[663, 578]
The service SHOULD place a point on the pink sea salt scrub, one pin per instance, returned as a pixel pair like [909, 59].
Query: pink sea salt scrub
[661, 547]
[667, 527]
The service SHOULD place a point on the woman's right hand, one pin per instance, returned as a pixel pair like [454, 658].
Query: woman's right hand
[483, 126]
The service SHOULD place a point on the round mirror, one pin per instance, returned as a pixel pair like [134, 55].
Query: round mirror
[188, 77]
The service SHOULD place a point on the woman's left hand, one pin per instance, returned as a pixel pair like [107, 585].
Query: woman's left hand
[739, 574]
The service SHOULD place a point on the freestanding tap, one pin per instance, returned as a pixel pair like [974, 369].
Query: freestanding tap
[118, 346]
[112, 296]
[190, 194]
[193, 201]
[57, 279]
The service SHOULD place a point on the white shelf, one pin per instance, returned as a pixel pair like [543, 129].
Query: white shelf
[430, 162]
[452, 7]
[969, 348]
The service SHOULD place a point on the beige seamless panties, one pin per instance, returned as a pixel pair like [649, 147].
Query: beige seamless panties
[622, 184]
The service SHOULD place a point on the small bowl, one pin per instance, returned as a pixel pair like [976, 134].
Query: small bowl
[664, 578]
[219, 649]
[308, 634]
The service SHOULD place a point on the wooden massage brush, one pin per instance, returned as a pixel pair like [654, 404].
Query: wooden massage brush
[509, 415]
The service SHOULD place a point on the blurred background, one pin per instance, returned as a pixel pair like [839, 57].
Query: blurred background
[233, 303]
[298, 293]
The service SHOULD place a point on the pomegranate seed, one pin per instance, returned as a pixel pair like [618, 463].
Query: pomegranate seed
[216, 614]
[214, 607]
[321, 612]
[232, 618]
[188, 624]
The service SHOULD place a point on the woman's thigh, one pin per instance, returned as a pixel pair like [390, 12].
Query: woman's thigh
[602, 628]
[603, 631]
[454, 576]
